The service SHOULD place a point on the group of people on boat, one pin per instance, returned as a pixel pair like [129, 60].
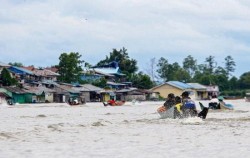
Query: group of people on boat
[183, 106]
[218, 103]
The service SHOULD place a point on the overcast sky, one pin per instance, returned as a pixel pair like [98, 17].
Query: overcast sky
[36, 32]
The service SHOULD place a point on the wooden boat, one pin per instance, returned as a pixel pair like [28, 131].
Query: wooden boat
[225, 106]
[222, 105]
[117, 103]
[166, 113]
[76, 101]
[173, 113]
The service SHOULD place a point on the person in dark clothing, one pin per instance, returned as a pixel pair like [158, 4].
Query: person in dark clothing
[168, 104]
[188, 105]
[189, 108]
[170, 101]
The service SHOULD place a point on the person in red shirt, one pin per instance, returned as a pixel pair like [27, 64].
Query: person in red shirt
[111, 102]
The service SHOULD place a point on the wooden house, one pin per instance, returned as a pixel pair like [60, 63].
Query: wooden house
[199, 91]
[130, 94]
[213, 90]
[174, 87]
[21, 74]
[89, 92]
[64, 92]
[41, 94]
[17, 95]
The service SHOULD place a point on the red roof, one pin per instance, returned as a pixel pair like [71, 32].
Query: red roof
[53, 69]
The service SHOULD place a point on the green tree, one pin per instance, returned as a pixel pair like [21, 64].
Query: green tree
[100, 83]
[190, 65]
[233, 83]
[121, 56]
[182, 75]
[244, 81]
[141, 81]
[222, 81]
[16, 64]
[163, 69]
[220, 71]
[211, 64]
[173, 71]
[229, 65]
[6, 78]
[69, 67]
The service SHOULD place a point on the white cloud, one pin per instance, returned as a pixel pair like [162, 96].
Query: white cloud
[36, 30]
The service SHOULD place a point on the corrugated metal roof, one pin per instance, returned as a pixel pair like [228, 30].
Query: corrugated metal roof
[116, 84]
[81, 89]
[39, 90]
[179, 85]
[92, 87]
[103, 73]
[20, 69]
[4, 64]
[2, 94]
[197, 86]
[114, 71]
[45, 72]
[67, 88]
[124, 90]
[16, 90]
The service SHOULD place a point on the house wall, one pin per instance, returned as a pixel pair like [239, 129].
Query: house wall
[49, 97]
[164, 90]
[61, 98]
[2, 100]
[106, 97]
[135, 97]
[19, 98]
[86, 95]
[38, 98]
[200, 95]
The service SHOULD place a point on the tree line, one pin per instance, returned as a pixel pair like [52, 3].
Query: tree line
[71, 66]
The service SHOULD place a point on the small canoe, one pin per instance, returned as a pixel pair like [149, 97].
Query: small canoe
[226, 106]
[172, 113]
[117, 103]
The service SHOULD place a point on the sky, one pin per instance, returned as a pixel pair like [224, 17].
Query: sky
[37, 32]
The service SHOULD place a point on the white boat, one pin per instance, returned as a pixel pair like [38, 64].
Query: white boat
[223, 105]
[167, 114]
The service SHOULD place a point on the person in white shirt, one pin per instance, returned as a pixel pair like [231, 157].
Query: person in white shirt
[214, 102]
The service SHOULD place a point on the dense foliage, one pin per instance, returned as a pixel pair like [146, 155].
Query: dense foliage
[6, 78]
[69, 67]
[206, 73]
[126, 65]
[16, 64]
[141, 81]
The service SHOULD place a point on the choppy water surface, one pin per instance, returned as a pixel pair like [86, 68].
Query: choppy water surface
[132, 130]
